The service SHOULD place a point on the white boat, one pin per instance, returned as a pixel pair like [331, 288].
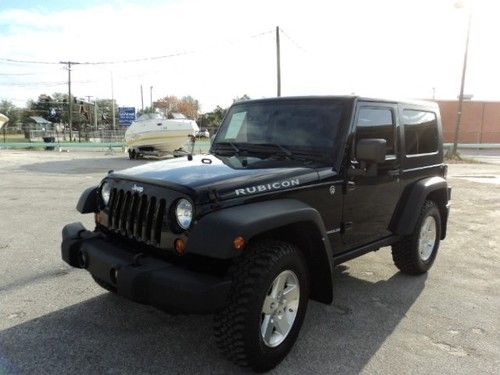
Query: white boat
[154, 134]
[3, 120]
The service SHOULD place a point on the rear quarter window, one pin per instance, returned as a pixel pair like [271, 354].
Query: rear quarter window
[420, 132]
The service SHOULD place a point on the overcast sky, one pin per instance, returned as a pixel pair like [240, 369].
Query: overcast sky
[221, 49]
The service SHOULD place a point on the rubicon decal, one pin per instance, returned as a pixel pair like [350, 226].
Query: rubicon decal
[267, 187]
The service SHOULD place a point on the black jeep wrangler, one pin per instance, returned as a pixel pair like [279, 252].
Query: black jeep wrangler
[250, 231]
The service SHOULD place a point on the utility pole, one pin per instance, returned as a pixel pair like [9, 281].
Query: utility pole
[70, 99]
[88, 118]
[142, 100]
[151, 97]
[461, 96]
[113, 101]
[95, 113]
[278, 64]
[70, 104]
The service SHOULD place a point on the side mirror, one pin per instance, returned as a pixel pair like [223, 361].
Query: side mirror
[371, 150]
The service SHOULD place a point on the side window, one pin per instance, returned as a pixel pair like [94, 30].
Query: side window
[420, 128]
[376, 123]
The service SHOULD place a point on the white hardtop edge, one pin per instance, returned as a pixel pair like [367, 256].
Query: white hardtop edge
[407, 101]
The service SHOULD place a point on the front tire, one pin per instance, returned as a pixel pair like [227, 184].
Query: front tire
[266, 307]
[414, 254]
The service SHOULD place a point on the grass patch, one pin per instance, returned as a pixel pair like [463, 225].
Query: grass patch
[13, 138]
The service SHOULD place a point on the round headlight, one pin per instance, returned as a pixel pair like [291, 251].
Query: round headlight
[184, 213]
[105, 192]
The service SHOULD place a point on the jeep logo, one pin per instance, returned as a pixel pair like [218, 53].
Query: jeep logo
[267, 187]
[137, 188]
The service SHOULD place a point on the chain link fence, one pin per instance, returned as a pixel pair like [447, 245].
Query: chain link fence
[30, 136]
[64, 135]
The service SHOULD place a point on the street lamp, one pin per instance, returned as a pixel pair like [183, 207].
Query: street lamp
[460, 4]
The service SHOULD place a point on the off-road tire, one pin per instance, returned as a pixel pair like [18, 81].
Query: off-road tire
[238, 326]
[405, 253]
[104, 285]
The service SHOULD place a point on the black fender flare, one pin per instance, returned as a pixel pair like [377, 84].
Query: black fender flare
[88, 201]
[213, 235]
[405, 218]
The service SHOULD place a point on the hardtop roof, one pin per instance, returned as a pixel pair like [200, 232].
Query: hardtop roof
[413, 102]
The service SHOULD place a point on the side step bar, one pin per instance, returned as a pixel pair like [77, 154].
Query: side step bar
[373, 246]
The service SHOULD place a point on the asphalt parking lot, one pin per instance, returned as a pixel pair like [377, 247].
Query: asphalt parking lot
[54, 319]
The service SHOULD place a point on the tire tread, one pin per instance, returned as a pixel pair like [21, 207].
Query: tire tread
[404, 252]
[229, 323]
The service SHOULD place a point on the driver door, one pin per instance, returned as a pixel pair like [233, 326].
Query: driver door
[370, 201]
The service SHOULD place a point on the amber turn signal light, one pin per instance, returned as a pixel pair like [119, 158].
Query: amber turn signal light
[180, 246]
[239, 243]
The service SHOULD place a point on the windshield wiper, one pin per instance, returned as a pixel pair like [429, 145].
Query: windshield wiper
[285, 152]
[312, 156]
[295, 154]
[265, 147]
[234, 147]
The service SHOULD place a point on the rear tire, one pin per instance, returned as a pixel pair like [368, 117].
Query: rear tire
[414, 254]
[266, 306]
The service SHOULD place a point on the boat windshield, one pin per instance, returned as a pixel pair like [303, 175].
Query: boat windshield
[151, 116]
[301, 126]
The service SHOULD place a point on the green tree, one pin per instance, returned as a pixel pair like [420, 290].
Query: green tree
[11, 111]
[212, 120]
[241, 98]
[53, 108]
[145, 110]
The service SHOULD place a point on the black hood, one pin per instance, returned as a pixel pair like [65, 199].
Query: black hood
[227, 176]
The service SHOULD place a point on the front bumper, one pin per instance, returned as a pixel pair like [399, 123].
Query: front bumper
[146, 279]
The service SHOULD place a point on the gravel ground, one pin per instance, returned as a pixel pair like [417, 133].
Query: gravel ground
[54, 319]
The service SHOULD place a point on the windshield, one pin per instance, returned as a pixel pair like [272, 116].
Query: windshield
[151, 116]
[308, 127]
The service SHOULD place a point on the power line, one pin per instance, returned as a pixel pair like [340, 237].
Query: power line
[292, 40]
[47, 84]
[125, 61]
[27, 61]
[18, 74]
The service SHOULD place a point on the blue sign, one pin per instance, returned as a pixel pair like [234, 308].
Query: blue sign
[126, 115]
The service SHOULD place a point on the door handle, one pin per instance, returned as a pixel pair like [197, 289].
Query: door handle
[351, 185]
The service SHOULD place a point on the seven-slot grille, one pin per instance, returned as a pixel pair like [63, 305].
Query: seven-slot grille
[136, 216]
